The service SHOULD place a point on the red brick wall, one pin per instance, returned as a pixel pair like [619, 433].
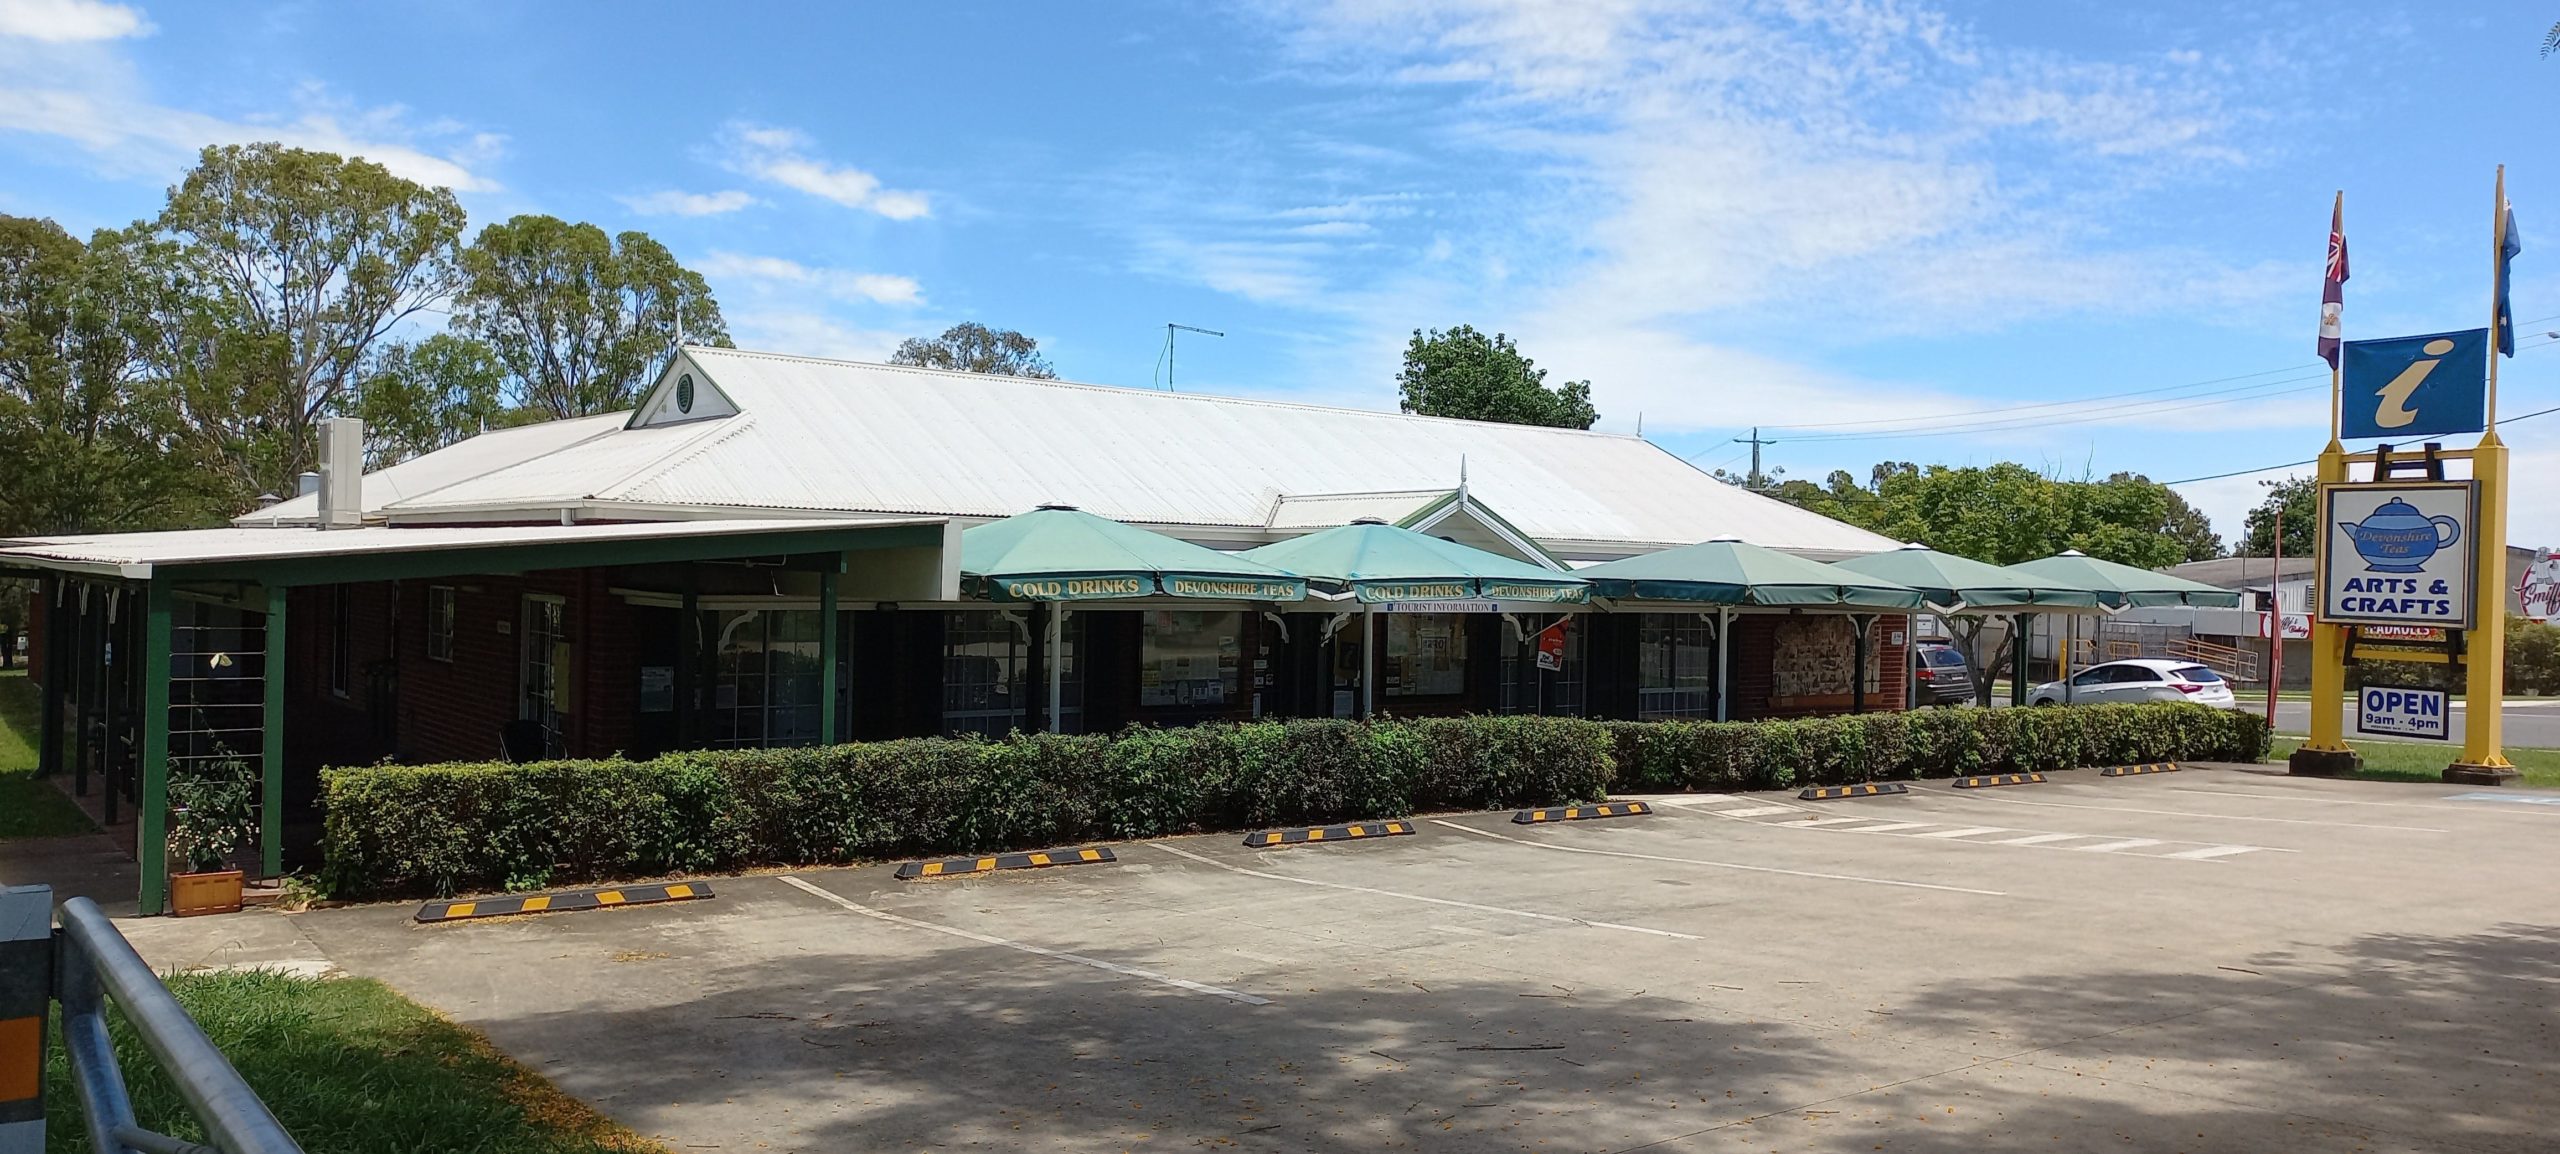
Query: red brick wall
[452, 710]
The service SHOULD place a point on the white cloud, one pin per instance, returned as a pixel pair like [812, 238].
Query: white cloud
[782, 156]
[131, 138]
[1668, 198]
[767, 273]
[811, 335]
[87, 95]
[675, 202]
[70, 21]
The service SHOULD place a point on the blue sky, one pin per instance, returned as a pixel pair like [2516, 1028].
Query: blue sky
[1794, 213]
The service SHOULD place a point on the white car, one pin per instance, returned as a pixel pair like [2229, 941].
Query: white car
[2139, 679]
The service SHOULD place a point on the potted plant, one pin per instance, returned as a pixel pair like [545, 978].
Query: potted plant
[212, 815]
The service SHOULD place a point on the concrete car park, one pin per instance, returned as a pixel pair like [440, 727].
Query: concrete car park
[2213, 959]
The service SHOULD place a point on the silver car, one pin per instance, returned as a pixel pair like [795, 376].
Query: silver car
[2139, 679]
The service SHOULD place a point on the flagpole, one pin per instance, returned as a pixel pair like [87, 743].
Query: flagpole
[2497, 257]
[2483, 760]
[2327, 753]
[2337, 383]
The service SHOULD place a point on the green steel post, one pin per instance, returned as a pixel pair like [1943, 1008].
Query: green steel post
[54, 652]
[827, 658]
[271, 757]
[152, 833]
[2019, 659]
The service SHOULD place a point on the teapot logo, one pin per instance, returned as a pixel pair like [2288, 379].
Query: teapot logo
[2397, 538]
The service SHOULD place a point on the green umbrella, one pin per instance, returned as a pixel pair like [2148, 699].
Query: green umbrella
[1956, 583]
[1384, 563]
[1060, 553]
[2123, 586]
[1731, 572]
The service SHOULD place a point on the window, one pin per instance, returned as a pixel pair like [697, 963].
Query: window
[1191, 659]
[764, 677]
[987, 683]
[1425, 655]
[2197, 673]
[1529, 689]
[440, 622]
[342, 639]
[1676, 663]
[2134, 675]
[544, 665]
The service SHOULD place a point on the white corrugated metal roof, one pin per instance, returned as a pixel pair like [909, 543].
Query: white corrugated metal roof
[1326, 510]
[460, 461]
[134, 554]
[842, 435]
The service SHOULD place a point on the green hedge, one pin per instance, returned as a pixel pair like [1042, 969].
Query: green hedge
[1659, 756]
[392, 829]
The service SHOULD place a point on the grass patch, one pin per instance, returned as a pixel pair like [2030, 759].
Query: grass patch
[28, 807]
[2410, 761]
[351, 1067]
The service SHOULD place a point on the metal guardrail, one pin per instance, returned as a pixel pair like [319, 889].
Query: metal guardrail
[92, 964]
[2224, 659]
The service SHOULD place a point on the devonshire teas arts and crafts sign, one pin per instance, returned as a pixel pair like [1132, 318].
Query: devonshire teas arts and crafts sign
[2397, 554]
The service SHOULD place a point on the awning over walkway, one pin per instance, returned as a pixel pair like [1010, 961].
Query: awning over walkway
[1381, 563]
[1729, 572]
[1060, 553]
[306, 556]
[1955, 584]
[2123, 586]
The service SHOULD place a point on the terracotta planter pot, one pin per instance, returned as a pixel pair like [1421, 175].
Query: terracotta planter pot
[206, 893]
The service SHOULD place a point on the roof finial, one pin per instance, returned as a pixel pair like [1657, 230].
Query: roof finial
[1462, 478]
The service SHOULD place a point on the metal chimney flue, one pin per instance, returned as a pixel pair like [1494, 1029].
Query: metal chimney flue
[341, 473]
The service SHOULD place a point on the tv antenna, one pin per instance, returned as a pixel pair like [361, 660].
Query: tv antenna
[1167, 359]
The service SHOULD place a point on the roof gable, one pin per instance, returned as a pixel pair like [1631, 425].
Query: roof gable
[683, 393]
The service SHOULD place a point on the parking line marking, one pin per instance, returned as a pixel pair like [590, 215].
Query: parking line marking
[2113, 846]
[2212, 852]
[2306, 796]
[1478, 907]
[1964, 832]
[2191, 813]
[1892, 826]
[1819, 822]
[1025, 947]
[2041, 839]
[1757, 811]
[1720, 864]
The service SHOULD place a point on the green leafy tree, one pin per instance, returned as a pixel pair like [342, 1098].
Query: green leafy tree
[1465, 373]
[970, 347]
[87, 442]
[269, 279]
[582, 321]
[2184, 523]
[2299, 498]
[420, 397]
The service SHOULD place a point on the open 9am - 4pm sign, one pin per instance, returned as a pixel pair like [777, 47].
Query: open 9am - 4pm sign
[2382, 711]
[2398, 554]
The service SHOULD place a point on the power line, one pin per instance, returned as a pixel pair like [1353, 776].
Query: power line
[2518, 419]
[2262, 390]
[2043, 405]
[2014, 416]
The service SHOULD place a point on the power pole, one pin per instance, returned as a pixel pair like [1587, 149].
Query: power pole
[1756, 481]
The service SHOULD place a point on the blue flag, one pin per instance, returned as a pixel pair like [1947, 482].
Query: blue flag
[2508, 246]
